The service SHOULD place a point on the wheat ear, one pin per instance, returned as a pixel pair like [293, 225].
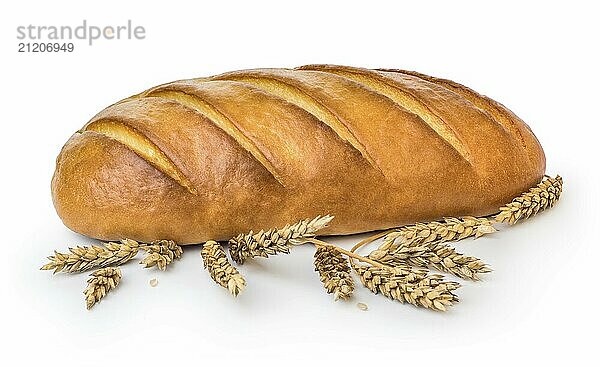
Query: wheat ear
[436, 256]
[161, 253]
[101, 282]
[274, 241]
[220, 269]
[538, 198]
[334, 272]
[83, 258]
[422, 244]
[450, 229]
[405, 284]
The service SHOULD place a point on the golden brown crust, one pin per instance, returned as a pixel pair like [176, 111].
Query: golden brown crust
[209, 158]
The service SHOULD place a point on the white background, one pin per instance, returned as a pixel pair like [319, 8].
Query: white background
[539, 305]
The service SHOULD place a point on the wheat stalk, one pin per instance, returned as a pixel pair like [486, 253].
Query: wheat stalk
[422, 244]
[538, 198]
[220, 269]
[334, 272]
[83, 258]
[437, 256]
[450, 229]
[161, 253]
[274, 241]
[101, 282]
[405, 284]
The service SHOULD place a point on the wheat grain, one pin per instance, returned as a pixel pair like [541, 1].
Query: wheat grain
[83, 258]
[161, 253]
[402, 254]
[405, 284]
[334, 272]
[274, 241]
[220, 269]
[539, 198]
[101, 282]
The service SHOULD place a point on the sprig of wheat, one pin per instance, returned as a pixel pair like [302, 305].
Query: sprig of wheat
[334, 272]
[538, 198]
[422, 244]
[84, 258]
[437, 256]
[161, 253]
[274, 241]
[101, 282]
[405, 284]
[450, 229]
[220, 269]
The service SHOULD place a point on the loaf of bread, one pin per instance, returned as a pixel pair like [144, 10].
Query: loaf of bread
[209, 158]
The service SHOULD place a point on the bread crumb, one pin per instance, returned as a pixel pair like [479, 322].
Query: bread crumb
[153, 282]
[362, 306]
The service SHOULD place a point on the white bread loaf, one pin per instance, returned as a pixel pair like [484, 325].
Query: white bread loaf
[209, 158]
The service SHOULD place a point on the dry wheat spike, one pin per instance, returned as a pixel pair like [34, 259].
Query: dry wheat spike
[334, 272]
[405, 284]
[220, 269]
[101, 282]
[538, 198]
[161, 253]
[450, 229]
[437, 256]
[83, 258]
[274, 241]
